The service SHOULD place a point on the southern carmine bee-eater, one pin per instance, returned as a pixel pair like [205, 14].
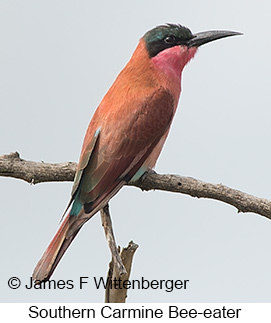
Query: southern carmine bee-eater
[128, 129]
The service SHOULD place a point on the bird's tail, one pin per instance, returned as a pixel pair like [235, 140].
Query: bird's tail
[56, 249]
[65, 235]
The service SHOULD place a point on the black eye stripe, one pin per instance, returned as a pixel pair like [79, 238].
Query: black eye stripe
[166, 36]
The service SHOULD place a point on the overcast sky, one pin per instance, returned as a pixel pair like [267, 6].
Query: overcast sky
[58, 59]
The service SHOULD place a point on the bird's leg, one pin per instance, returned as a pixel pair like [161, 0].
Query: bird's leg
[141, 178]
[149, 171]
[109, 234]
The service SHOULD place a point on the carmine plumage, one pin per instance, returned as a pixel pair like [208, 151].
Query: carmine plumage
[128, 129]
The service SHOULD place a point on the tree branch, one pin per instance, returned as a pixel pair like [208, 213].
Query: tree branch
[108, 230]
[120, 265]
[115, 294]
[36, 172]
[188, 185]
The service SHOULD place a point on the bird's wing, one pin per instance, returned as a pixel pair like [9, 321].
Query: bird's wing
[117, 144]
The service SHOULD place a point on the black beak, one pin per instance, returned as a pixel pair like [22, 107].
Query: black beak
[208, 36]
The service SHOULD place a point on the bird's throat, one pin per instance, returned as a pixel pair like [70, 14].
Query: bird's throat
[171, 61]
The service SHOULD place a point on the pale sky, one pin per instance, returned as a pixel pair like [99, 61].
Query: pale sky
[58, 59]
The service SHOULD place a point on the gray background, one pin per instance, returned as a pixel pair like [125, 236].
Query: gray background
[58, 59]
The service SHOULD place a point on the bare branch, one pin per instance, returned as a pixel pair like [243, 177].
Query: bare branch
[108, 230]
[115, 294]
[188, 185]
[36, 172]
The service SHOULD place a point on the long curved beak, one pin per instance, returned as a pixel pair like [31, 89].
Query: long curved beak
[208, 36]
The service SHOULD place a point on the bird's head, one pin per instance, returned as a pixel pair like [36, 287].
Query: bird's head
[176, 43]
[167, 36]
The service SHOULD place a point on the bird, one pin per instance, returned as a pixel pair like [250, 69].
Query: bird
[128, 129]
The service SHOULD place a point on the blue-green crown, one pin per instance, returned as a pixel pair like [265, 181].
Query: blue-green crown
[166, 36]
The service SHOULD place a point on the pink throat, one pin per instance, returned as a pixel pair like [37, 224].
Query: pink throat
[171, 61]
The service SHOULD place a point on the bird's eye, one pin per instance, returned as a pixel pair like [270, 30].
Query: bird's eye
[170, 39]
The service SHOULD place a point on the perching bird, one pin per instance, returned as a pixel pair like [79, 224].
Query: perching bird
[128, 129]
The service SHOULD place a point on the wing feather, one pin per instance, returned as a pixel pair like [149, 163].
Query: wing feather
[126, 138]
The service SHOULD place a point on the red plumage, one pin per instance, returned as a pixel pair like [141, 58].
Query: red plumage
[127, 131]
